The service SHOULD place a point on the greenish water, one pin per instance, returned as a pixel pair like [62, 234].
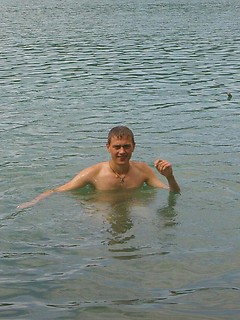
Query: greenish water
[70, 70]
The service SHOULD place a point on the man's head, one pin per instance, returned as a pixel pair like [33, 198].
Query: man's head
[120, 132]
[120, 144]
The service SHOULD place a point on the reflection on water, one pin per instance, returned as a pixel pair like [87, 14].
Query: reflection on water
[120, 222]
[120, 208]
[168, 213]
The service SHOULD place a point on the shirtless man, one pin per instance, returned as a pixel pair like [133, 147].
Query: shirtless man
[119, 172]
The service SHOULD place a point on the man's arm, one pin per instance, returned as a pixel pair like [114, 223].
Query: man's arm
[32, 203]
[80, 180]
[165, 168]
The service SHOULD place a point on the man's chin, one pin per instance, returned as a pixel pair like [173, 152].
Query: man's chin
[122, 160]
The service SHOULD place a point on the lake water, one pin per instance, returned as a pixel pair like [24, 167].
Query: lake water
[70, 70]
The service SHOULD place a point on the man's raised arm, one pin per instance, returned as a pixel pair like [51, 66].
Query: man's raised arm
[165, 168]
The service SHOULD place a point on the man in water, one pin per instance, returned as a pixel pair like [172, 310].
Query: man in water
[119, 173]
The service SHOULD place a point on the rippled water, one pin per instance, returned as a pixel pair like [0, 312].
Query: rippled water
[70, 70]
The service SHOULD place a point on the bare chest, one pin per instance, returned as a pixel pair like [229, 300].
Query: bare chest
[111, 181]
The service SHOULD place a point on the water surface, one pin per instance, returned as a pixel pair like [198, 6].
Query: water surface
[71, 70]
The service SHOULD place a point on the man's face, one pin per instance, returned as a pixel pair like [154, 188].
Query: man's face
[121, 149]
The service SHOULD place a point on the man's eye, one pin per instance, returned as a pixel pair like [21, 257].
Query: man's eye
[127, 146]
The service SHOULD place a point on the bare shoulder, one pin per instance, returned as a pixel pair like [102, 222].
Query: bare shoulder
[95, 168]
[86, 175]
[141, 166]
[148, 174]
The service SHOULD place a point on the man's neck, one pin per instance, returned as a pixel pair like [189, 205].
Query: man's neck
[120, 168]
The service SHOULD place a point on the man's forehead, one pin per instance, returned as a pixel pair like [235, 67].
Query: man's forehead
[121, 140]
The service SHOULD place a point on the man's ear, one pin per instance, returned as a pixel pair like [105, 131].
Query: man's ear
[107, 146]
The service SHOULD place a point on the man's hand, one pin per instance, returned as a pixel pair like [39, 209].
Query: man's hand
[164, 167]
[26, 205]
[36, 200]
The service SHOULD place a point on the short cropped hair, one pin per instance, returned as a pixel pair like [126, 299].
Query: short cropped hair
[120, 132]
